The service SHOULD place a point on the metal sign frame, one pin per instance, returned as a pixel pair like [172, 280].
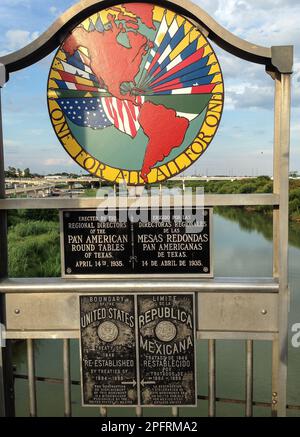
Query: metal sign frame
[195, 356]
[271, 293]
[135, 275]
[83, 404]
[138, 378]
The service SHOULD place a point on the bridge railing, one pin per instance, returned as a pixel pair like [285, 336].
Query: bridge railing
[248, 309]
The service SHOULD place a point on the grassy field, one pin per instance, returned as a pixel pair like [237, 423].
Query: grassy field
[33, 244]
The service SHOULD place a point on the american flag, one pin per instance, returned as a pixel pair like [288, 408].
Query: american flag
[85, 112]
[102, 112]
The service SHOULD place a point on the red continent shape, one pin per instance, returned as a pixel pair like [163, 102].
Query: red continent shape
[142, 11]
[165, 131]
[111, 62]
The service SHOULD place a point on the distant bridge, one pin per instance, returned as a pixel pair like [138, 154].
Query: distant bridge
[23, 186]
[90, 180]
[36, 189]
[49, 180]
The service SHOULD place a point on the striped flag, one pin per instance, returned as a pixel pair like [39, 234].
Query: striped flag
[123, 114]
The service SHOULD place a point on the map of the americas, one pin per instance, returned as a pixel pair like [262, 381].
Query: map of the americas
[125, 70]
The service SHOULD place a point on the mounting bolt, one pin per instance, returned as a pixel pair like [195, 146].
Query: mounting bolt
[264, 312]
[17, 311]
[274, 402]
[274, 395]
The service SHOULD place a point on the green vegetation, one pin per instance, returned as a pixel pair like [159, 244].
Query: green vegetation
[294, 203]
[90, 192]
[33, 243]
[262, 184]
[13, 172]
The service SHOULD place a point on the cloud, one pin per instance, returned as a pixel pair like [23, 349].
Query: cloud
[11, 143]
[53, 10]
[263, 22]
[251, 96]
[18, 38]
[58, 161]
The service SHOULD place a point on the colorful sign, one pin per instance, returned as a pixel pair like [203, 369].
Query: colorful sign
[135, 94]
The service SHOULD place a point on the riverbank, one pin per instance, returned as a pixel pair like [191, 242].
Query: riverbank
[259, 185]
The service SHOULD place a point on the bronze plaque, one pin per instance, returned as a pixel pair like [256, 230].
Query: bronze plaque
[138, 350]
[166, 325]
[108, 350]
[160, 245]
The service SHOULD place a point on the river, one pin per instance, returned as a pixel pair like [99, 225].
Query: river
[242, 247]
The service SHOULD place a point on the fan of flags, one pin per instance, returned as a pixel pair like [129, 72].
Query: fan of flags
[177, 64]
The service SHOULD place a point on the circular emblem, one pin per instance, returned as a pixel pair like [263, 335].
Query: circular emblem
[108, 332]
[165, 331]
[135, 94]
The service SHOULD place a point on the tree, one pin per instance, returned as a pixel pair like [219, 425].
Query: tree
[11, 173]
[27, 173]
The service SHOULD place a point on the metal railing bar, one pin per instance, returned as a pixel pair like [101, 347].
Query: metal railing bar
[243, 402]
[210, 200]
[43, 335]
[48, 380]
[178, 284]
[249, 378]
[67, 377]
[275, 365]
[201, 335]
[200, 397]
[284, 111]
[237, 401]
[31, 378]
[211, 378]
[103, 411]
[139, 412]
[235, 335]
[175, 412]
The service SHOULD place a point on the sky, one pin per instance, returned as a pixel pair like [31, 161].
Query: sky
[243, 144]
